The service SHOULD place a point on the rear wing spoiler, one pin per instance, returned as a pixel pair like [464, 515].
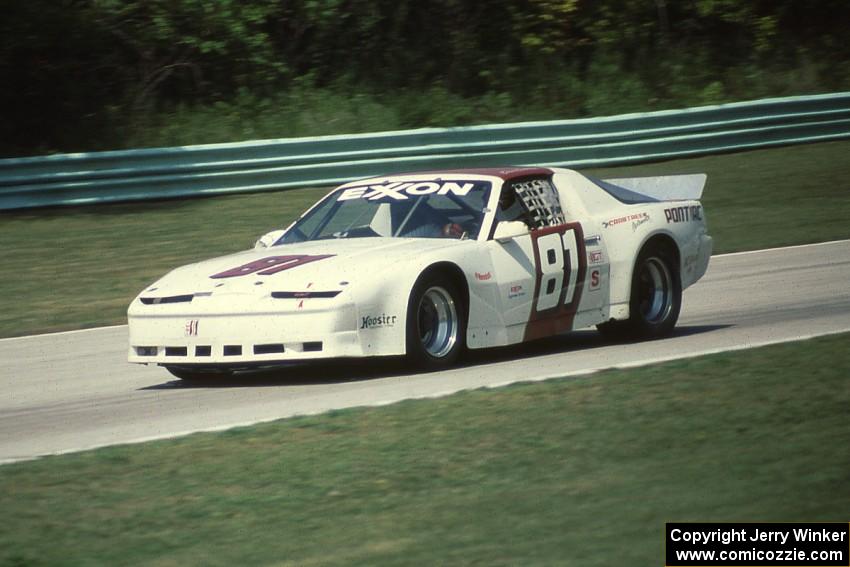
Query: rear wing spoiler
[660, 188]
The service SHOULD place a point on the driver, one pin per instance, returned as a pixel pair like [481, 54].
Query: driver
[426, 222]
[432, 230]
[510, 209]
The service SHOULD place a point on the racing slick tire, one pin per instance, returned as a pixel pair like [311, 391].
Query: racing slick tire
[656, 297]
[436, 323]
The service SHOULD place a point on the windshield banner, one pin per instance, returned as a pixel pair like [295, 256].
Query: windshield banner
[400, 191]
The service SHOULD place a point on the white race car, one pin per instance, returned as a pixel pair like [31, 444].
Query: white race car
[426, 265]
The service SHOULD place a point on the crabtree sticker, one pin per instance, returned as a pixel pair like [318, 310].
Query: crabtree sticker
[400, 191]
[637, 219]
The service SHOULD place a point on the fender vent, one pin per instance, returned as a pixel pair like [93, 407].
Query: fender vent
[169, 299]
[305, 294]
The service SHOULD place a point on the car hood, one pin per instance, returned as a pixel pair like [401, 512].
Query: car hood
[315, 266]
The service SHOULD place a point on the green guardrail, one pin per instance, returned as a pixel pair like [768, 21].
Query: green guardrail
[102, 177]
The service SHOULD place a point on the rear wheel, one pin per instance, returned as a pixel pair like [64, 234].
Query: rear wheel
[435, 323]
[656, 297]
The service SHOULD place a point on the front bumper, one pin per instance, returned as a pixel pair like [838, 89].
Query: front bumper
[171, 336]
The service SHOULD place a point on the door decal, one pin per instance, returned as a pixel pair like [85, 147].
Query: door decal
[560, 260]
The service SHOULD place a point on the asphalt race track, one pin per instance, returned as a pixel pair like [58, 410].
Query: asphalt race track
[71, 391]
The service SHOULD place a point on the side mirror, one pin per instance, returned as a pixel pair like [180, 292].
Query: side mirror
[508, 230]
[266, 240]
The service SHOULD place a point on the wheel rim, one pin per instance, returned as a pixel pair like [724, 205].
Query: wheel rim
[437, 321]
[656, 291]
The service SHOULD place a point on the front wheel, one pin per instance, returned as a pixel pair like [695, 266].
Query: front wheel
[435, 323]
[656, 297]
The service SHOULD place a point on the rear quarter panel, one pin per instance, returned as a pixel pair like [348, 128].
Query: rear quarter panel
[681, 221]
[625, 229]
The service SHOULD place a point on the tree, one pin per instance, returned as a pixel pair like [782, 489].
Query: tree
[225, 44]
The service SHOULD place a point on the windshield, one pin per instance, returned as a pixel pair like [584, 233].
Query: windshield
[411, 209]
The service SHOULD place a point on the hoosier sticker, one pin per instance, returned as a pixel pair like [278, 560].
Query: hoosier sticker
[377, 321]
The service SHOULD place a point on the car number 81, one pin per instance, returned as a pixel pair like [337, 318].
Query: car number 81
[557, 263]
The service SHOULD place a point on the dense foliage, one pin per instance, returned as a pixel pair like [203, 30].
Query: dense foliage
[92, 74]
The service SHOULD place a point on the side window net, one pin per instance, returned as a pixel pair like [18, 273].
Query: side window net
[541, 201]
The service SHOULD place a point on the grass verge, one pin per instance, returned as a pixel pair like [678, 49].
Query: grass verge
[581, 471]
[79, 267]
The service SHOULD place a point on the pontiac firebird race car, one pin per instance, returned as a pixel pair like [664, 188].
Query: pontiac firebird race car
[427, 265]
